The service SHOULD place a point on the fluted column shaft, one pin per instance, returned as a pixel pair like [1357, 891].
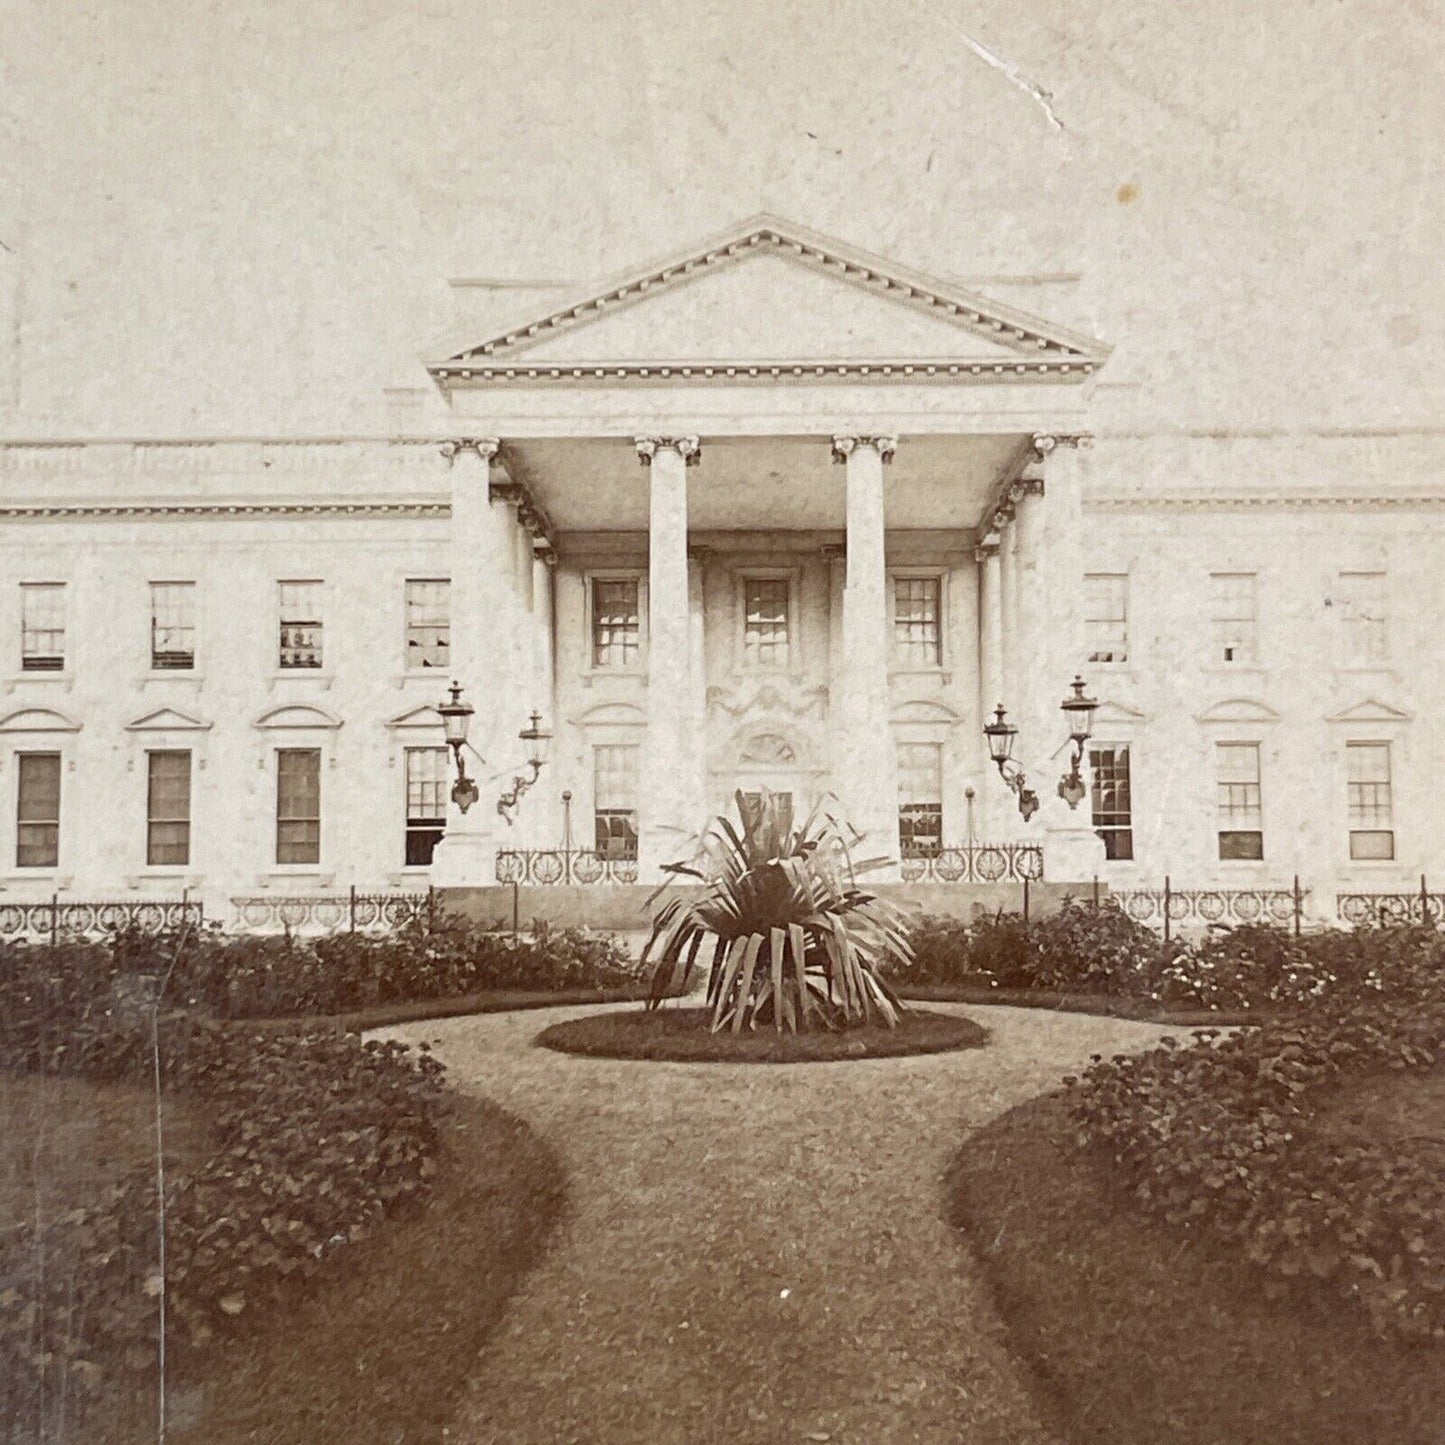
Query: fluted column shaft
[671, 775]
[869, 782]
[485, 619]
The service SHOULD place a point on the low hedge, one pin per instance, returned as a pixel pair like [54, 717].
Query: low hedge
[316, 1139]
[253, 977]
[1098, 949]
[1219, 1140]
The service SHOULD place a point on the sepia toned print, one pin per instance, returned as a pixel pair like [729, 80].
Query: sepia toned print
[721, 725]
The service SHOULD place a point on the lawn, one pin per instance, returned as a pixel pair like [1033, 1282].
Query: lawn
[379, 1351]
[684, 1035]
[1136, 1336]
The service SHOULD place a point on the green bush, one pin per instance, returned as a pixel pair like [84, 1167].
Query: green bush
[1218, 1141]
[1081, 948]
[316, 1139]
[262, 977]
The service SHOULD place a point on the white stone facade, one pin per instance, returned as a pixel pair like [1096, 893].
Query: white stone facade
[775, 424]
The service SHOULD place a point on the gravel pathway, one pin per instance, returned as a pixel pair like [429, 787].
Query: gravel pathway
[756, 1253]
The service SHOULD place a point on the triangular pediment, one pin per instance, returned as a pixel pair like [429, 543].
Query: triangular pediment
[167, 720]
[1370, 710]
[425, 716]
[1117, 713]
[772, 299]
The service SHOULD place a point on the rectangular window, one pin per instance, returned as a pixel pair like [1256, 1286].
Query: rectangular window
[917, 624]
[428, 624]
[765, 626]
[298, 805]
[920, 799]
[1240, 813]
[173, 625]
[1234, 615]
[1360, 597]
[614, 800]
[426, 803]
[300, 625]
[1113, 803]
[37, 811]
[42, 626]
[1106, 616]
[168, 808]
[1372, 822]
[616, 621]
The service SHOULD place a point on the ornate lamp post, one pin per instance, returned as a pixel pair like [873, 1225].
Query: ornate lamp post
[1079, 709]
[536, 737]
[1001, 734]
[456, 717]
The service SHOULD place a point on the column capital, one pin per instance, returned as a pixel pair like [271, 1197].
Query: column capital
[485, 448]
[689, 448]
[834, 551]
[1022, 487]
[700, 553]
[987, 547]
[1046, 442]
[845, 446]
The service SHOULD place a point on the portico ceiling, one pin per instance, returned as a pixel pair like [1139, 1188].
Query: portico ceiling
[596, 484]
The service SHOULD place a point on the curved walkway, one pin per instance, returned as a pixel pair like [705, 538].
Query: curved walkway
[756, 1253]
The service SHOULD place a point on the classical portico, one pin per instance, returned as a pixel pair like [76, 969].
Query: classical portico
[774, 513]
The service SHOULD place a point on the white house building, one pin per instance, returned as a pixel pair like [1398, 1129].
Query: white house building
[773, 512]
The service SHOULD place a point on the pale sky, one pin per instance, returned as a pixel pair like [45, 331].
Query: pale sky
[240, 218]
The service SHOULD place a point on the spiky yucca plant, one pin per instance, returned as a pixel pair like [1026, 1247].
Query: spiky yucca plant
[795, 942]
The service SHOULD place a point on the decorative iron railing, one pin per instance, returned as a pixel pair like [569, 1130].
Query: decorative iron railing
[1387, 908]
[329, 912]
[975, 863]
[563, 865]
[1228, 906]
[56, 916]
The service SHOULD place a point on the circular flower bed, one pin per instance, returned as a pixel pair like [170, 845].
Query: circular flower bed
[684, 1035]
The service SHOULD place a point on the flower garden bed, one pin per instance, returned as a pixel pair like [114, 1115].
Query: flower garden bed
[1099, 952]
[1134, 1333]
[684, 1035]
[308, 1146]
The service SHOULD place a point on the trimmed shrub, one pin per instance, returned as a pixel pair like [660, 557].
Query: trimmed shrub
[316, 1139]
[267, 977]
[1219, 1140]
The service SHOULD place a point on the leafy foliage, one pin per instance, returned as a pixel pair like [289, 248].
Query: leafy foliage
[795, 942]
[1220, 1139]
[267, 977]
[316, 1139]
[1088, 949]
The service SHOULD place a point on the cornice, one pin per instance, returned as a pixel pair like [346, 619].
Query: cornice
[1260, 502]
[462, 375]
[1000, 324]
[43, 511]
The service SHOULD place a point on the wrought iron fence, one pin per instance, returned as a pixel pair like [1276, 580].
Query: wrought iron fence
[95, 918]
[975, 863]
[563, 865]
[1161, 907]
[330, 912]
[1387, 908]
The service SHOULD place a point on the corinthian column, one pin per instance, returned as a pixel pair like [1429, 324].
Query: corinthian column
[484, 619]
[671, 801]
[869, 781]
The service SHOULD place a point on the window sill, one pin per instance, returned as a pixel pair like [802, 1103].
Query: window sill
[172, 674]
[943, 674]
[589, 673]
[53, 878]
[323, 680]
[1368, 669]
[64, 680]
[1234, 669]
[432, 676]
[296, 873]
[164, 873]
